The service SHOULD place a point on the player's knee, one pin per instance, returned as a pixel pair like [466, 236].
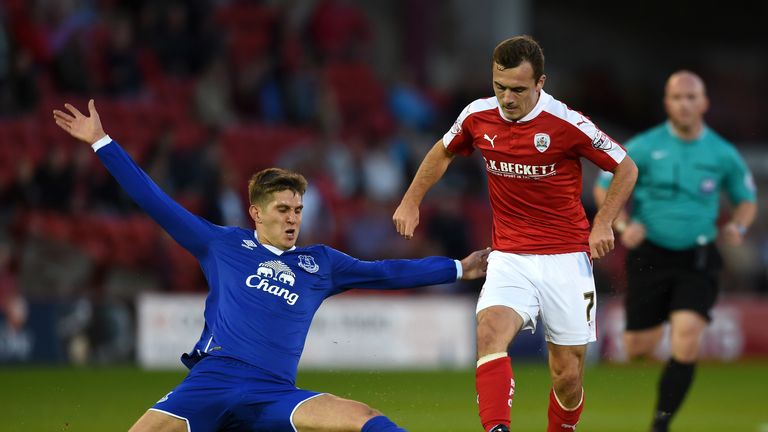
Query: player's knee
[638, 347]
[637, 352]
[685, 346]
[566, 378]
[486, 338]
[489, 342]
[159, 422]
[686, 336]
[373, 412]
[686, 352]
[493, 334]
[366, 413]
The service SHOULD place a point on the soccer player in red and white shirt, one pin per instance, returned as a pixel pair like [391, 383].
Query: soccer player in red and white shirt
[540, 265]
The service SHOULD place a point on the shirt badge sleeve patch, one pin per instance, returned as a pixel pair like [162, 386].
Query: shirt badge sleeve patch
[602, 142]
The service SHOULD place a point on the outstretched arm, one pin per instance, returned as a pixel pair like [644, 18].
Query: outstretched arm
[475, 265]
[190, 231]
[432, 168]
[601, 238]
[86, 129]
[349, 272]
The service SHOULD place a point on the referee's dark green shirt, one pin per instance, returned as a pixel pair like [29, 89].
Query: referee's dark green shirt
[677, 194]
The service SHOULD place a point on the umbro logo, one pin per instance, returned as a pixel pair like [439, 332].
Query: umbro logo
[249, 244]
[489, 139]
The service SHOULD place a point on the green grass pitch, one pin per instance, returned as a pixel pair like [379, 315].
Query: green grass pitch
[725, 397]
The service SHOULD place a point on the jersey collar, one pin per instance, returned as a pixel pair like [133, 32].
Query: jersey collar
[271, 248]
[702, 134]
[544, 99]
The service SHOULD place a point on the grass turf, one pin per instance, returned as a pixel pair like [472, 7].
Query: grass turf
[725, 397]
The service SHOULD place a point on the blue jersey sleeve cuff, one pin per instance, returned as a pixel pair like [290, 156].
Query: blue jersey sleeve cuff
[459, 271]
[101, 143]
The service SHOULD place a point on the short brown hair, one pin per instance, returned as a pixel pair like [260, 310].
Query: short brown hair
[266, 182]
[512, 52]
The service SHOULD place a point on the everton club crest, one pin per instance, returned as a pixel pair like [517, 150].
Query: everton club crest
[308, 263]
[541, 142]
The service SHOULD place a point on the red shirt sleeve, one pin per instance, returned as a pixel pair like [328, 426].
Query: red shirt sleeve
[597, 146]
[459, 138]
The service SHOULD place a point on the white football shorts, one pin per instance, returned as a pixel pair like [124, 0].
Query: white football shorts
[558, 288]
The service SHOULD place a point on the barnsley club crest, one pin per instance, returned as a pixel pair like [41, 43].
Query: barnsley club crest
[541, 142]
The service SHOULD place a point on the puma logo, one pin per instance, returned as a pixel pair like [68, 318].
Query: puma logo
[489, 139]
[583, 120]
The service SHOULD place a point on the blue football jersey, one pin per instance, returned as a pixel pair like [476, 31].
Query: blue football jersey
[261, 300]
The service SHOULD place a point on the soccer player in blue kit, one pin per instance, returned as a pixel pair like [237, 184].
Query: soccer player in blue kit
[264, 292]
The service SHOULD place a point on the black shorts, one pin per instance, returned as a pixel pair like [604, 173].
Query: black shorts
[661, 280]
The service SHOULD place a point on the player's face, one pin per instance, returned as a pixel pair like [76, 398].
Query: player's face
[516, 90]
[685, 101]
[278, 221]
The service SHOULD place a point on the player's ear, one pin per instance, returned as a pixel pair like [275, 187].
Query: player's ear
[540, 84]
[255, 213]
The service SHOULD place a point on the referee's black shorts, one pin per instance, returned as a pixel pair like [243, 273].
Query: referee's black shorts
[661, 280]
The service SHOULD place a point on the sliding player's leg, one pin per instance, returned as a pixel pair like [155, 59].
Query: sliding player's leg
[329, 413]
[157, 421]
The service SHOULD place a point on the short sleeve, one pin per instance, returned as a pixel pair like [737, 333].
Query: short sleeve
[598, 147]
[459, 138]
[604, 178]
[738, 181]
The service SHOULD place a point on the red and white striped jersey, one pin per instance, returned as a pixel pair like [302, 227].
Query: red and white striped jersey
[534, 171]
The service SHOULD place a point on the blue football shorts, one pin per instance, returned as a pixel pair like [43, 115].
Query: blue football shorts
[222, 394]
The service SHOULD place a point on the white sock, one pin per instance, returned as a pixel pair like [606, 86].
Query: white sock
[490, 357]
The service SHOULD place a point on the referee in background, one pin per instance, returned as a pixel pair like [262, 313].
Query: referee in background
[673, 264]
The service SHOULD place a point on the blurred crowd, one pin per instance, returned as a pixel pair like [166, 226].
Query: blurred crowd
[203, 94]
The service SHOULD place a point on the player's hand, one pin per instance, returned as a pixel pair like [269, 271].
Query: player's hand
[600, 240]
[86, 129]
[732, 234]
[475, 265]
[406, 219]
[633, 235]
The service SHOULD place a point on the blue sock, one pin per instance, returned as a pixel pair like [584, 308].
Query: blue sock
[381, 424]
